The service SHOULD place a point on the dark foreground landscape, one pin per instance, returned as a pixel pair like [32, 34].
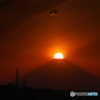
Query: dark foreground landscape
[11, 92]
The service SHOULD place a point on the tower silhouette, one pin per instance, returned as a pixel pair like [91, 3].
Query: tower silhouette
[17, 77]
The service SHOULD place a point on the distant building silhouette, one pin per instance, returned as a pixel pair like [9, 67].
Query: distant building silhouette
[24, 83]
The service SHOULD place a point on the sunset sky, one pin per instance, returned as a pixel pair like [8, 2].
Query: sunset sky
[29, 36]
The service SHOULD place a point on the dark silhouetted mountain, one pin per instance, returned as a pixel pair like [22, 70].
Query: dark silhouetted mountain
[62, 75]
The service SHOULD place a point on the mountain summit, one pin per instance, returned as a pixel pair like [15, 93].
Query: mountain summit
[63, 75]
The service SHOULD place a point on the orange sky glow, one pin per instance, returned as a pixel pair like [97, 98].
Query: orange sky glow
[30, 37]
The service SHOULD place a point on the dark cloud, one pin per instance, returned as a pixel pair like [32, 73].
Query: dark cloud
[53, 12]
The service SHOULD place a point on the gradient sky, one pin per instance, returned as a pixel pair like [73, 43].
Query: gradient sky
[29, 36]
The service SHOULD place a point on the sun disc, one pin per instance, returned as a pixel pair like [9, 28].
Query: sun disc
[58, 56]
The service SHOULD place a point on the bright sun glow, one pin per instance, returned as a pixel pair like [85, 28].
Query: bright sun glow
[58, 56]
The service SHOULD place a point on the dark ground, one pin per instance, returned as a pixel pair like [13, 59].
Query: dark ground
[11, 92]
